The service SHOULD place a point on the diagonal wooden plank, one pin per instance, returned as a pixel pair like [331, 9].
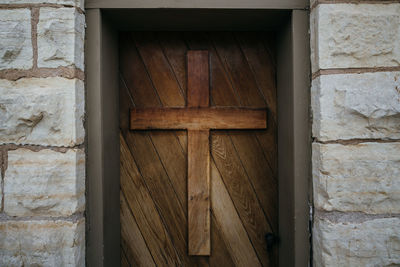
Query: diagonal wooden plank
[260, 57]
[174, 49]
[125, 104]
[228, 221]
[241, 192]
[237, 69]
[144, 211]
[262, 65]
[159, 69]
[265, 185]
[134, 73]
[133, 243]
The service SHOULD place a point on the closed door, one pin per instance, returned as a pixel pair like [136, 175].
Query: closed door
[243, 165]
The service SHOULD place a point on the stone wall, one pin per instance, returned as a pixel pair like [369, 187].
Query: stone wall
[42, 158]
[355, 54]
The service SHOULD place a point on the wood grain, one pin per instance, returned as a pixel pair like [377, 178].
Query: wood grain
[145, 211]
[199, 192]
[243, 183]
[198, 118]
[136, 249]
[230, 224]
[198, 78]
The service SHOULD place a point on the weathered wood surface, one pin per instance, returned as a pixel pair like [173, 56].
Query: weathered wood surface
[198, 96]
[198, 81]
[230, 230]
[198, 118]
[199, 192]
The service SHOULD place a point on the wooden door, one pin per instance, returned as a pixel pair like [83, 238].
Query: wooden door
[244, 186]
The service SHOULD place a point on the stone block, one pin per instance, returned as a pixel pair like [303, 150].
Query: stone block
[61, 38]
[368, 243]
[355, 36]
[44, 183]
[15, 35]
[77, 3]
[42, 111]
[352, 106]
[42, 243]
[363, 177]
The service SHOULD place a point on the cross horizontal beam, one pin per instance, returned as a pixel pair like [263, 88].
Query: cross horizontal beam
[198, 118]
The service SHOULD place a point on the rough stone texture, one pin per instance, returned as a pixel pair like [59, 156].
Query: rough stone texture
[366, 244]
[355, 36]
[15, 35]
[348, 106]
[45, 111]
[77, 3]
[44, 183]
[42, 243]
[60, 38]
[363, 177]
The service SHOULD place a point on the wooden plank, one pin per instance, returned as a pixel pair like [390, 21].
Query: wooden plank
[161, 189]
[242, 193]
[135, 76]
[237, 69]
[145, 212]
[261, 176]
[259, 53]
[198, 79]
[199, 192]
[198, 118]
[229, 223]
[260, 58]
[159, 69]
[132, 241]
[175, 49]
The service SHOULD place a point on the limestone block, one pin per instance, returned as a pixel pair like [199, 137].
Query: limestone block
[363, 177]
[42, 111]
[60, 38]
[15, 35]
[355, 36]
[348, 106]
[369, 243]
[42, 243]
[77, 3]
[44, 183]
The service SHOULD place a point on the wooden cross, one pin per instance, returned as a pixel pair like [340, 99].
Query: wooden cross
[198, 118]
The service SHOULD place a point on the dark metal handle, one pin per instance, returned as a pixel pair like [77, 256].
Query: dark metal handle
[271, 240]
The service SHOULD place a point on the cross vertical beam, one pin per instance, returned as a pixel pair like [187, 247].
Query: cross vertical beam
[198, 157]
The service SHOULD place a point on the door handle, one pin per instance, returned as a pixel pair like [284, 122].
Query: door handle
[271, 240]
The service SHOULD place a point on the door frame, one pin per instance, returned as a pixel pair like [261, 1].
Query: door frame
[102, 117]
